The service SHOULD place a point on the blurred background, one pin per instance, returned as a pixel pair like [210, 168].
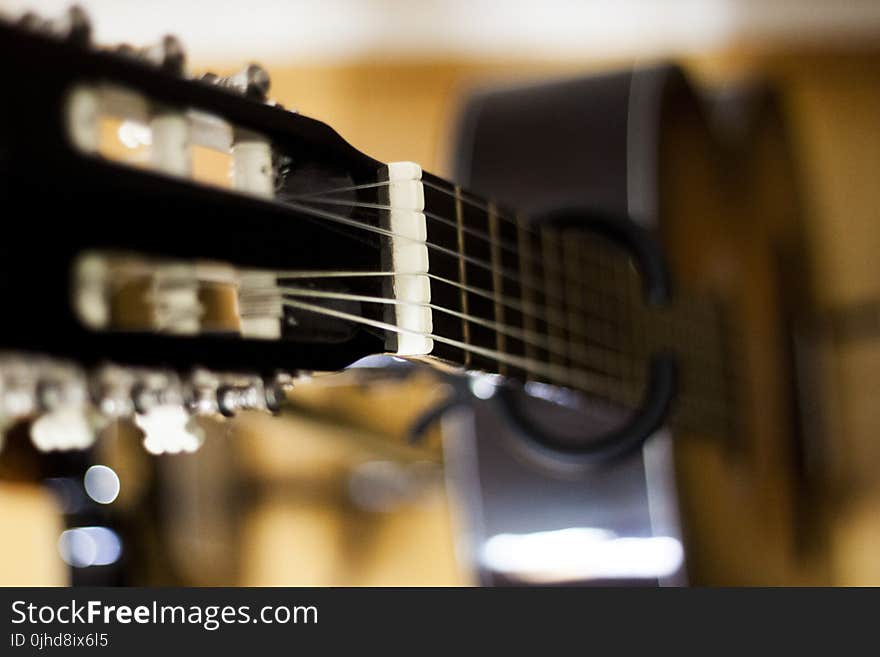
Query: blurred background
[318, 501]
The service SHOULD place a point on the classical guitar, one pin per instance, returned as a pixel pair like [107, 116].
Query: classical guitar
[315, 256]
[140, 284]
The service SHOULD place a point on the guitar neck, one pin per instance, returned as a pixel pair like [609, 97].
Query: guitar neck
[341, 256]
[562, 306]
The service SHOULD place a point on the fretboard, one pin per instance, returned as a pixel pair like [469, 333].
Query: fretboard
[482, 286]
[562, 306]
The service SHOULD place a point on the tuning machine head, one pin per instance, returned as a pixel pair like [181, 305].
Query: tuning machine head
[253, 394]
[66, 420]
[53, 395]
[252, 81]
[18, 397]
[68, 405]
[168, 55]
[74, 25]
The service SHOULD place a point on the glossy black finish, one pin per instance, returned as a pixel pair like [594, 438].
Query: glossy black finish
[579, 143]
[58, 203]
[611, 445]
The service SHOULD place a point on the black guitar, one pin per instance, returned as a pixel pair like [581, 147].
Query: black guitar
[140, 285]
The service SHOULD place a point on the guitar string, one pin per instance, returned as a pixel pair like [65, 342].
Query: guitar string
[486, 265]
[330, 216]
[526, 337]
[510, 330]
[543, 311]
[610, 295]
[489, 209]
[492, 209]
[466, 198]
[504, 244]
[629, 387]
[615, 354]
[597, 384]
[597, 322]
[560, 373]
[520, 226]
[370, 228]
[351, 188]
[530, 365]
[624, 390]
[331, 273]
[321, 197]
[473, 202]
[315, 198]
[508, 246]
[532, 310]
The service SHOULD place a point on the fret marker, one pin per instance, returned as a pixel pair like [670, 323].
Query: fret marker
[409, 258]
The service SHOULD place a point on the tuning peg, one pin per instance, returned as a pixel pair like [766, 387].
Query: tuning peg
[126, 50]
[236, 396]
[259, 297]
[31, 22]
[201, 395]
[276, 390]
[17, 392]
[167, 425]
[210, 78]
[168, 55]
[252, 81]
[63, 428]
[112, 391]
[74, 25]
[211, 394]
[71, 406]
[65, 420]
[153, 389]
[169, 429]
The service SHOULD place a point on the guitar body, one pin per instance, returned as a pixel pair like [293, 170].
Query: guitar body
[642, 143]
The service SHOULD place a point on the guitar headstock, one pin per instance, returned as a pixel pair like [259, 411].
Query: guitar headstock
[155, 222]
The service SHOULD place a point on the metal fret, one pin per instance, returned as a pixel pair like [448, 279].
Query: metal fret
[462, 271]
[476, 222]
[444, 272]
[572, 250]
[553, 282]
[497, 282]
[578, 320]
[523, 239]
[512, 289]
